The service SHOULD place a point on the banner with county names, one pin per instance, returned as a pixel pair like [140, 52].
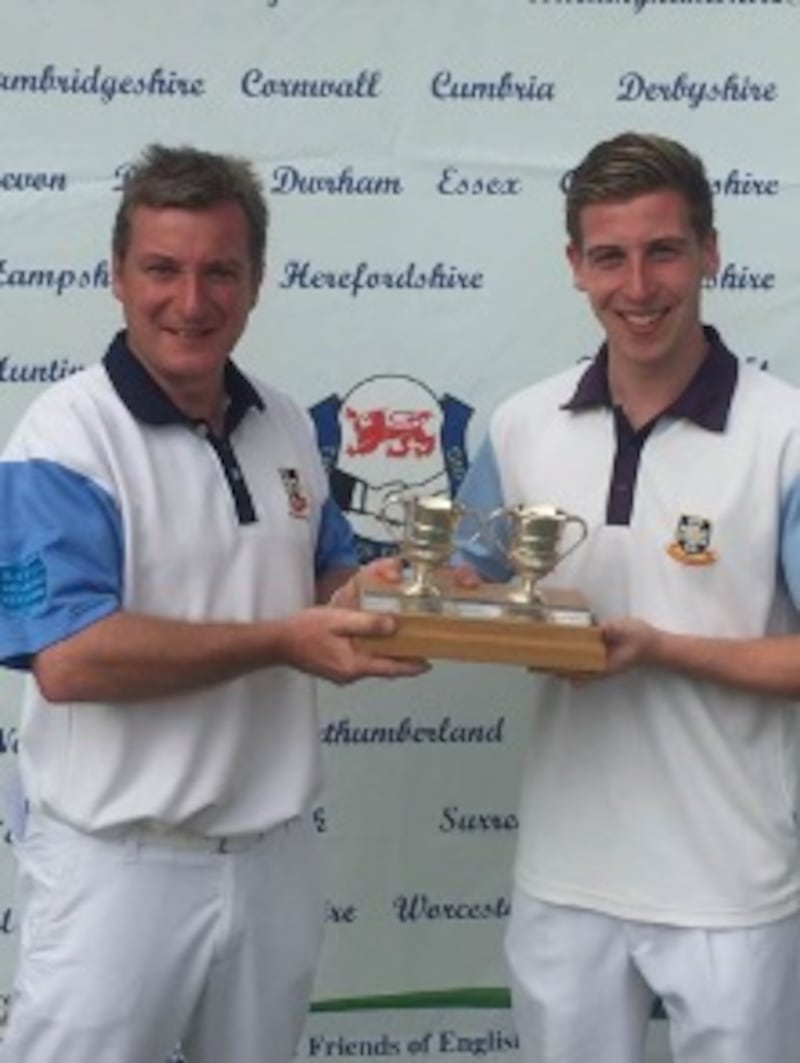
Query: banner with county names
[415, 153]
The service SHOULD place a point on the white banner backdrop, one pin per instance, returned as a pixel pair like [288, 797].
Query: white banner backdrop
[415, 154]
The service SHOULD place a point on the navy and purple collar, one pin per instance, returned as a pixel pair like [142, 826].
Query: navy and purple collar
[706, 399]
[147, 401]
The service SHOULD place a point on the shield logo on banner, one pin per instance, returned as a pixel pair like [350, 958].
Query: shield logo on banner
[389, 435]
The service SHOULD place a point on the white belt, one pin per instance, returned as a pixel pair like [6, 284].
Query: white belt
[180, 838]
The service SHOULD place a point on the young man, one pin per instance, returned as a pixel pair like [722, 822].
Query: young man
[166, 533]
[658, 846]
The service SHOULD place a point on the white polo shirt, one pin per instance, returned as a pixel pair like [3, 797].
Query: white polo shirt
[112, 499]
[649, 795]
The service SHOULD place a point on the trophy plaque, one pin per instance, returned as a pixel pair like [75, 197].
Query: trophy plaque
[551, 628]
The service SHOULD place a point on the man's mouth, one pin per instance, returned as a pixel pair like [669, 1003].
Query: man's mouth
[642, 321]
[192, 333]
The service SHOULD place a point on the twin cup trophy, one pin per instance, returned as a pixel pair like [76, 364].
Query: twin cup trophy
[519, 622]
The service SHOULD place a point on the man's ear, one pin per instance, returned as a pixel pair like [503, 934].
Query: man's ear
[116, 271]
[711, 255]
[575, 259]
[259, 280]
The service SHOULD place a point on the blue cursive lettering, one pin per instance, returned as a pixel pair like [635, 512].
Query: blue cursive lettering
[364, 85]
[455, 820]
[58, 280]
[31, 181]
[411, 908]
[453, 183]
[736, 88]
[744, 183]
[106, 87]
[36, 372]
[446, 86]
[342, 732]
[439, 277]
[287, 179]
[740, 278]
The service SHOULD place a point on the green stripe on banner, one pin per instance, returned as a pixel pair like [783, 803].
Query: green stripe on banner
[432, 1000]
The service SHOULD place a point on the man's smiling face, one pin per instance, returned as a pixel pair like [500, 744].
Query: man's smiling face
[641, 265]
[187, 285]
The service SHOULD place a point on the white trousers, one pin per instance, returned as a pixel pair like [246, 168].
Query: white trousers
[583, 985]
[130, 945]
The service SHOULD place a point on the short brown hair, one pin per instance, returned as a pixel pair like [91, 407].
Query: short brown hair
[193, 179]
[633, 164]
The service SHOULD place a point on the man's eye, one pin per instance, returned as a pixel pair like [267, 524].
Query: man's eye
[664, 254]
[607, 261]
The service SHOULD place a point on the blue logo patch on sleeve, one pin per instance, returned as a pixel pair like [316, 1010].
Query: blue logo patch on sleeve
[23, 585]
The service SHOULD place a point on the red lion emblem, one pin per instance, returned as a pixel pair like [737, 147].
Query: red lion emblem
[401, 431]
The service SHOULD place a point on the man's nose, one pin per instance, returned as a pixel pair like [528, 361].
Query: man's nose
[638, 279]
[190, 295]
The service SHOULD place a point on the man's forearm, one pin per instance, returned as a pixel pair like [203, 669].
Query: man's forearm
[132, 658]
[127, 657]
[767, 665]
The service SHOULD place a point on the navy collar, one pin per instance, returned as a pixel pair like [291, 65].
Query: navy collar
[706, 399]
[149, 403]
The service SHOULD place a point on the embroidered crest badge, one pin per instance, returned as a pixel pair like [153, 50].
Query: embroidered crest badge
[298, 499]
[692, 543]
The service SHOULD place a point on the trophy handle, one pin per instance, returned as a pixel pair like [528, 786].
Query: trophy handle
[571, 518]
[465, 514]
[494, 540]
[393, 525]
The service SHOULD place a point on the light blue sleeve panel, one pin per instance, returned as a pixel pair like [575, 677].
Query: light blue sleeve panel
[61, 556]
[790, 542]
[335, 545]
[481, 491]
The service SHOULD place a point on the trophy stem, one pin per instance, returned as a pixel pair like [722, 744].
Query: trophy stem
[527, 598]
[422, 589]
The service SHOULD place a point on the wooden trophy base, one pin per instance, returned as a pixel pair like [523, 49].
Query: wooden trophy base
[482, 624]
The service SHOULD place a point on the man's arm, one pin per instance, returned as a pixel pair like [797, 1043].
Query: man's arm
[769, 665]
[127, 657]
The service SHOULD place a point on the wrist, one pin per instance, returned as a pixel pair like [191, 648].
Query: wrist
[660, 647]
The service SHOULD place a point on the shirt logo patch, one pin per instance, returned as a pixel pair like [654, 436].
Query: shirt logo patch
[692, 543]
[23, 586]
[298, 499]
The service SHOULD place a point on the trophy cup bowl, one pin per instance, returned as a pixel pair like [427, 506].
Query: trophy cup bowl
[533, 546]
[425, 535]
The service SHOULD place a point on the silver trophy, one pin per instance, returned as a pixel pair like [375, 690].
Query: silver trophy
[423, 527]
[531, 537]
[439, 615]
